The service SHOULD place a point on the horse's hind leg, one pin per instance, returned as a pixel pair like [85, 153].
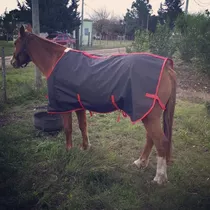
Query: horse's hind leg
[81, 116]
[67, 124]
[144, 158]
[153, 127]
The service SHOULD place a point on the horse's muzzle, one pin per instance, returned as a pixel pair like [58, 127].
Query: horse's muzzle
[13, 63]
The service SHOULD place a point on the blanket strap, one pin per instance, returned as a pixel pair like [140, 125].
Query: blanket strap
[120, 111]
[79, 99]
[156, 97]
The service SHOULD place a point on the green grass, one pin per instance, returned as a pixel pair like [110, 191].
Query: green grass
[8, 47]
[37, 173]
[20, 86]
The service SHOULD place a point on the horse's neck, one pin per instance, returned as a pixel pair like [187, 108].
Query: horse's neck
[45, 54]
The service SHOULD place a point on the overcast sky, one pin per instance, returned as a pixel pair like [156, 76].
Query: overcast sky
[118, 7]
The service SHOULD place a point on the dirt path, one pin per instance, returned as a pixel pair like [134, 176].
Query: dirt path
[192, 85]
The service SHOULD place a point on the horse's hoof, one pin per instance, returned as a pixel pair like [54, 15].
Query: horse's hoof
[141, 163]
[85, 147]
[160, 179]
[68, 147]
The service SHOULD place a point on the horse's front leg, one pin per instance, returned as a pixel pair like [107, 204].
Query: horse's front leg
[67, 124]
[81, 116]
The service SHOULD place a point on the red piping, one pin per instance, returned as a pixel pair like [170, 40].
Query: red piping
[121, 111]
[79, 99]
[115, 105]
[155, 97]
[51, 70]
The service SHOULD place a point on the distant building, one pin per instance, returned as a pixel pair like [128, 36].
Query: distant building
[87, 33]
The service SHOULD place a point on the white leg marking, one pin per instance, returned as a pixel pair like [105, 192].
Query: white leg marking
[141, 163]
[67, 49]
[89, 144]
[161, 174]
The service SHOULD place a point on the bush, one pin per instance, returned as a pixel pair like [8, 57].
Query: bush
[141, 41]
[194, 39]
[190, 37]
[162, 42]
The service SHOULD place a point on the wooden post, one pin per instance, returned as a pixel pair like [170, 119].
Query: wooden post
[77, 38]
[82, 23]
[3, 76]
[36, 30]
[186, 7]
[88, 39]
[77, 33]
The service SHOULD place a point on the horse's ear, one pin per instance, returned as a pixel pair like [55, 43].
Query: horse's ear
[22, 31]
[29, 28]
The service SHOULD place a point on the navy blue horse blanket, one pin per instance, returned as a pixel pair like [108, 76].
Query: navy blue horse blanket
[125, 82]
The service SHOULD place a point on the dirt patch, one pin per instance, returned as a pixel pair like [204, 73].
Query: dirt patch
[5, 119]
[192, 85]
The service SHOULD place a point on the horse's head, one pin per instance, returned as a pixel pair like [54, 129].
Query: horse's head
[20, 56]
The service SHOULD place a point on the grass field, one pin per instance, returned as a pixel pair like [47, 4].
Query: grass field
[38, 174]
[8, 47]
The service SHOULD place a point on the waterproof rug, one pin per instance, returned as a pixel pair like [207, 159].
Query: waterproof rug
[125, 82]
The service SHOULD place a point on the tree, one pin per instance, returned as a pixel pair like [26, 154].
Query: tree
[100, 14]
[138, 16]
[169, 11]
[161, 14]
[55, 15]
[105, 24]
[101, 21]
[8, 24]
[207, 13]
[153, 21]
[117, 26]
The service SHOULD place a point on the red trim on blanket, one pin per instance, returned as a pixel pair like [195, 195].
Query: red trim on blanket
[121, 111]
[51, 70]
[112, 55]
[156, 97]
[115, 105]
[156, 92]
[113, 102]
[79, 99]
[98, 57]
[152, 96]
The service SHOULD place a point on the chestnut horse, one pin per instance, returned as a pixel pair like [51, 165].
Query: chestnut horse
[45, 54]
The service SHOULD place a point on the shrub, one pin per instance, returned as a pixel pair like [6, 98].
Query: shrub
[162, 42]
[194, 39]
[141, 41]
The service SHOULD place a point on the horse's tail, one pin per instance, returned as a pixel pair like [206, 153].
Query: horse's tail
[168, 114]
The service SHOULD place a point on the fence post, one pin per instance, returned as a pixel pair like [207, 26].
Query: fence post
[3, 75]
[88, 39]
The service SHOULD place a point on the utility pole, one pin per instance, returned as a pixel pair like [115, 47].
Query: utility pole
[36, 30]
[148, 21]
[81, 36]
[186, 6]
[77, 30]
